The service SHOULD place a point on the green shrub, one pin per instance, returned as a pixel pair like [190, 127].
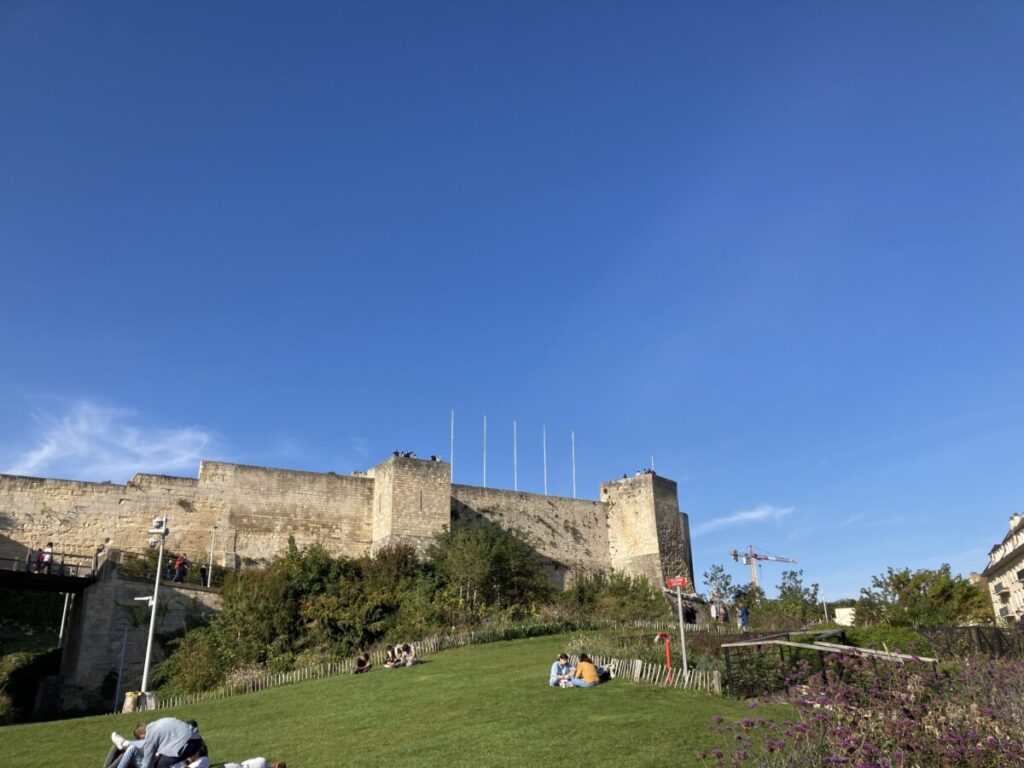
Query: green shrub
[896, 639]
[616, 597]
[193, 664]
[6, 707]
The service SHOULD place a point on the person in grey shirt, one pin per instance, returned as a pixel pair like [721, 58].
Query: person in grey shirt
[168, 741]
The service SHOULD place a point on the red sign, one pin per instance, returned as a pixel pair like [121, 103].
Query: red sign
[678, 581]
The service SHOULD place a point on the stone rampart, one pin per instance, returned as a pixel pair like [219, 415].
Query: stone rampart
[248, 514]
[570, 535]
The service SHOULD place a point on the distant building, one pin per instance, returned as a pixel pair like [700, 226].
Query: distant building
[1005, 572]
[845, 617]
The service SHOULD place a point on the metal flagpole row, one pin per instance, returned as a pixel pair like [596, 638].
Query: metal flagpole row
[515, 455]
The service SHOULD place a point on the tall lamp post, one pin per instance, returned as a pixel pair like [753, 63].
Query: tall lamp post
[157, 538]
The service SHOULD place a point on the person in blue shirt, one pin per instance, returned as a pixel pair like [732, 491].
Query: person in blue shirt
[561, 670]
[168, 741]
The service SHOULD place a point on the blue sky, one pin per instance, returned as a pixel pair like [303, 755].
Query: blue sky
[776, 245]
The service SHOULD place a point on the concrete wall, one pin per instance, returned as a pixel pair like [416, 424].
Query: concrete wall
[100, 618]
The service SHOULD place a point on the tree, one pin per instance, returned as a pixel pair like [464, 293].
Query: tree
[796, 600]
[488, 566]
[922, 598]
[719, 583]
[748, 593]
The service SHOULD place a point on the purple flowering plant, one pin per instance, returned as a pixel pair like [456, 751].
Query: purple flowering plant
[867, 713]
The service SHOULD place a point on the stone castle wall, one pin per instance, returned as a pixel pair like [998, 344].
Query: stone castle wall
[570, 535]
[250, 512]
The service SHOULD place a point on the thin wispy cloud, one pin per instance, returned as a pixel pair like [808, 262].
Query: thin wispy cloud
[94, 442]
[760, 513]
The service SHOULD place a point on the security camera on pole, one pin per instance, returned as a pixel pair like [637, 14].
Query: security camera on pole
[157, 538]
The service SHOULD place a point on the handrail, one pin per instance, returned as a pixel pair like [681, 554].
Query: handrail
[60, 564]
[836, 648]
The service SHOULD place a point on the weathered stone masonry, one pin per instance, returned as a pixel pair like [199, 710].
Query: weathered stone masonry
[250, 512]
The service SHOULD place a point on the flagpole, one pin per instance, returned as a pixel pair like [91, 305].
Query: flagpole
[544, 434]
[485, 450]
[573, 435]
[451, 451]
[515, 459]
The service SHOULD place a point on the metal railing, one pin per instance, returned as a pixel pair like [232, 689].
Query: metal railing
[963, 642]
[768, 664]
[59, 564]
[141, 564]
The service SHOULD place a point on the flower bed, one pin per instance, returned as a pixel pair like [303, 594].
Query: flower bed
[857, 712]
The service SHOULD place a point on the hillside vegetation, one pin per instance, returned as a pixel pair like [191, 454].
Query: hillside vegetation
[485, 705]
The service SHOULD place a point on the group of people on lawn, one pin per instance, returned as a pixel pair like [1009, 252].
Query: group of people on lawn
[395, 657]
[169, 743]
[585, 674]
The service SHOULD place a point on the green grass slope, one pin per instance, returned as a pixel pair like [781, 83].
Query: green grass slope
[485, 705]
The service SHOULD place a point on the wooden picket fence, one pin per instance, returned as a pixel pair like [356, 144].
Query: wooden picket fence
[658, 674]
[630, 669]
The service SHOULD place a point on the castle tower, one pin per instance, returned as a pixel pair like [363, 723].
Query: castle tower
[412, 500]
[647, 534]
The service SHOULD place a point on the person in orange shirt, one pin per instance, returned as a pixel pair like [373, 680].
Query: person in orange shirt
[586, 673]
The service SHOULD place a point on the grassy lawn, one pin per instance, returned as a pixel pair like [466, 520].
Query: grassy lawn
[485, 705]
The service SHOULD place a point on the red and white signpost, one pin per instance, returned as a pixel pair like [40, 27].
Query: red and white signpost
[679, 582]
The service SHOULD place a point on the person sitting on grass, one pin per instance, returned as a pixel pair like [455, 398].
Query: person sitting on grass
[392, 658]
[561, 671]
[129, 753]
[362, 664]
[586, 674]
[126, 752]
[408, 655]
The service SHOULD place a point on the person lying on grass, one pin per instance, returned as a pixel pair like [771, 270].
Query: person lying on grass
[561, 670]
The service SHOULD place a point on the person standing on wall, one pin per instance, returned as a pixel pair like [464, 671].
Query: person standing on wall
[46, 562]
[181, 565]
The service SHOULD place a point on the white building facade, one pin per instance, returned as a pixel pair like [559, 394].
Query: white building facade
[1005, 573]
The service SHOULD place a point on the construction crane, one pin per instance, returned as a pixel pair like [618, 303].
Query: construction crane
[752, 556]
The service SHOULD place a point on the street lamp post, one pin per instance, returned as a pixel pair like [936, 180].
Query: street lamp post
[209, 572]
[158, 536]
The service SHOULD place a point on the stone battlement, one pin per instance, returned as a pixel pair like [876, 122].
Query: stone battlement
[247, 513]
